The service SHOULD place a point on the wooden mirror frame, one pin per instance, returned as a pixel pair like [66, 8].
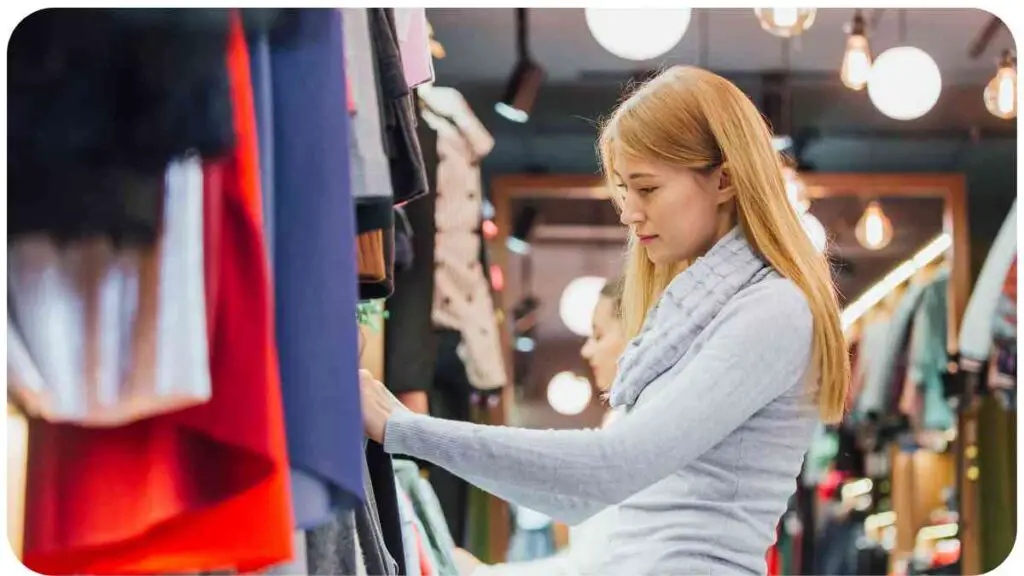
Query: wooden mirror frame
[950, 187]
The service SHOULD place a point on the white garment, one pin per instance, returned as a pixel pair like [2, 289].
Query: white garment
[976, 328]
[589, 542]
[462, 296]
[103, 336]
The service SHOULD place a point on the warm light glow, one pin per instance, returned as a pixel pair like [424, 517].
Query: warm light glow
[880, 520]
[786, 22]
[815, 231]
[856, 62]
[569, 394]
[899, 275]
[904, 83]
[1001, 93]
[510, 113]
[874, 229]
[576, 306]
[638, 34]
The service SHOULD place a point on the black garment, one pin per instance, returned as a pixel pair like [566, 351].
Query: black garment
[382, 480]
[99, 102]
[410, 344]
[398, 115]
[450, 400]
[403, 240]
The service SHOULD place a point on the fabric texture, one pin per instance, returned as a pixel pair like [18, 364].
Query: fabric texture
[333, 548]
[975, 329]
[112, 336]
[702, 465]
[462, 294]
[168, 494]
[314, 263]
[410, 537]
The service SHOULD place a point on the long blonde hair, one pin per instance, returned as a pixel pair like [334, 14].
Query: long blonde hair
[695, 119]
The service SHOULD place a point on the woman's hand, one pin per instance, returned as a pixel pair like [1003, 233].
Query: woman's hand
[378, 404]
[465, 562]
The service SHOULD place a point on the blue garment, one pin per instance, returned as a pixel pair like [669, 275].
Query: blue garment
[314, 265]
[928, 356]
[263, 100]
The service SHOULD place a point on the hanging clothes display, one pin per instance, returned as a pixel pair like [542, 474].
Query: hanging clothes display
[315, 295]
[137, 318]
[462, 294]
[976, 327]
[201, 473]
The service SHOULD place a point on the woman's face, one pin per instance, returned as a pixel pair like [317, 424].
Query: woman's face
[605, 345]
[676, 213]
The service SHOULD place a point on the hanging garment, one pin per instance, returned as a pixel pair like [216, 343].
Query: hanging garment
[204, 488]
[263, 102]
[1002, 376]
[100, 101]
[462, 294]
[928, 356]
[414, 42]
[385, 514]
[888, 363]
[873, 348]
[370, 257]
[407, 516]
[103, 336]
[314, 265]
[410, 344]
[428, 510]
[334, 548]
[408, 179]
[975, 329]
[370, 170]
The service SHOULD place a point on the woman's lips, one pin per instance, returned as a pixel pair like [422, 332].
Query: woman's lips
[647, 239]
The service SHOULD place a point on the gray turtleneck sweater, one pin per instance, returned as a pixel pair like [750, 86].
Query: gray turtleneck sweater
[703, 463]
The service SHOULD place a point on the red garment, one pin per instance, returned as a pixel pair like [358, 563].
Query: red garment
[201, 489]
[426, 568]
[773, 561]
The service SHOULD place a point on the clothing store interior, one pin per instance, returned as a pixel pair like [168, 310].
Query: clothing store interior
[415, 192]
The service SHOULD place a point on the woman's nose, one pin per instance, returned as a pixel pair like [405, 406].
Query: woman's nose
[631, 213]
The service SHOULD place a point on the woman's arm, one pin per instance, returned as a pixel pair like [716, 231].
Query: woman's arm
[762, 346]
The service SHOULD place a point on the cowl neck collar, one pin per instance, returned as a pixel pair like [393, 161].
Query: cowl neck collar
[690, 302]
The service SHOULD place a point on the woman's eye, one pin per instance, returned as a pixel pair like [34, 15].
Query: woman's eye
[648, 190]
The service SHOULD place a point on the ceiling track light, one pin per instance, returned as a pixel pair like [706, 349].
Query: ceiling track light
[1001, 92]
[857, 59]
[524, 83]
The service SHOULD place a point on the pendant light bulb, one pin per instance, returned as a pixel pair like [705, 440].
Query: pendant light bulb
[857, 58]
[1001, 92]
[786, 22]
[874, 229]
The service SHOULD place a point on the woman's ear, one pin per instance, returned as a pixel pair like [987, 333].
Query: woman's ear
[726, 190]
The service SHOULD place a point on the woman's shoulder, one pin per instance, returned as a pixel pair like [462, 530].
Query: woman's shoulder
[774, 299]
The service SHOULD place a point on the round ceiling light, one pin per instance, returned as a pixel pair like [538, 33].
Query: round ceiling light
[576, 306]
[569, 394]
[904, 83]
[638, 34]
[786, 22]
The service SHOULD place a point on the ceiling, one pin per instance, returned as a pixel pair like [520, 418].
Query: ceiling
[480, 43]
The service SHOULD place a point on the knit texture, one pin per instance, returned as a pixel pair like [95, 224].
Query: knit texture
[705, 459]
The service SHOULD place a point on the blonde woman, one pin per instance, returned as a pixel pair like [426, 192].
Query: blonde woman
[736, 351]
[588, 541]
